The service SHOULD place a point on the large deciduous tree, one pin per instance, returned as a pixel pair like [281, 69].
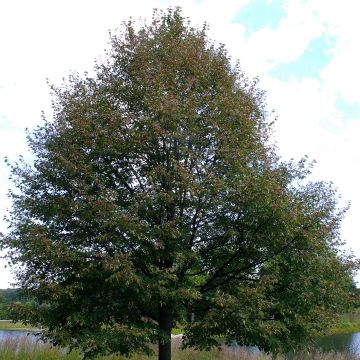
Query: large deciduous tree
[155, 199]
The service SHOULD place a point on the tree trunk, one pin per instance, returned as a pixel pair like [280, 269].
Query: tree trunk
[165, 325]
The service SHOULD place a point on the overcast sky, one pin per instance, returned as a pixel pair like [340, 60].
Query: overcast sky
[305, 53]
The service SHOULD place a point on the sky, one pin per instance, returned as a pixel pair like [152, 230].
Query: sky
[305, 53]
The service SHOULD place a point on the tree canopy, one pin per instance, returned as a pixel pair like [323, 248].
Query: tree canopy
[155, 200]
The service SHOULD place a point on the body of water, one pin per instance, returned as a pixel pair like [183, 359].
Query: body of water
[16, 335]
[340, 342]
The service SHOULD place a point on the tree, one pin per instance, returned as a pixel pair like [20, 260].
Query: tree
[7, 296]
[155, 199]
[3, 312]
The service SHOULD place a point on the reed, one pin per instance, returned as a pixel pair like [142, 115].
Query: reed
[27, 349]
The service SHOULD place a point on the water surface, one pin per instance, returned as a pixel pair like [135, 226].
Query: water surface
[16, 335]
[340, 342]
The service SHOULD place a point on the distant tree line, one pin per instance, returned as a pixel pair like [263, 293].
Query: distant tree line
[355, 291]
[8, 297]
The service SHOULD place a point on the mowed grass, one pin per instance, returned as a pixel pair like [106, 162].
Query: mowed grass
[348, 323]
[26, 349]
[9, 325]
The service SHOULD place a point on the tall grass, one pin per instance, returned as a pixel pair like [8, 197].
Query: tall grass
[28, 349]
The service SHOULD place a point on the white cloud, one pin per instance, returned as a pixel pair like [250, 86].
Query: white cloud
[290, 39]
[341, 20]
[309, 121]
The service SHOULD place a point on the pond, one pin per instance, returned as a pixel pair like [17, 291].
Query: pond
[16, 335]
[340, 342]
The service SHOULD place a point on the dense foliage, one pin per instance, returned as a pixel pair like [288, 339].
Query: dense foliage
[8, 297]
[155, 199]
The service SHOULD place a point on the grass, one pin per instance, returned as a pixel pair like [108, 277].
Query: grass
[26, 349]
[9, 325]
[348, 323]
[177, 331]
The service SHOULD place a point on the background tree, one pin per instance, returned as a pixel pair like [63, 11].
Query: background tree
[7, 297]
[155, 200]
[3, 307]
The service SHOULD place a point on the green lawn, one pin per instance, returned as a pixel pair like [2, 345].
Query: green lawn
[9, 325]
[348, 323]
